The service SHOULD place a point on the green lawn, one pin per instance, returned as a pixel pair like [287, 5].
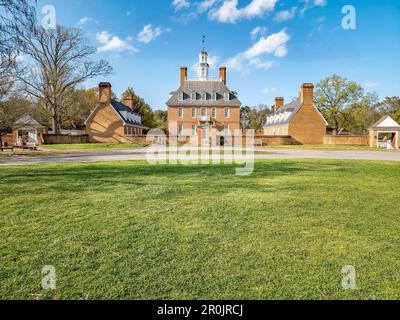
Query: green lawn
[128, 230]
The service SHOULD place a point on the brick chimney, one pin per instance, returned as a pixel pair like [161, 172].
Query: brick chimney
[183, 75]
[222, 74]
[128, 101]
[279, 102]
[307, 94]
[104, 92]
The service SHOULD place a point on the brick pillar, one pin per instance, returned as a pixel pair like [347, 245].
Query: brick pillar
[222, 74]
[279, 102]
[307, 94]
[128, 101]
[183, 75]
[104, 92]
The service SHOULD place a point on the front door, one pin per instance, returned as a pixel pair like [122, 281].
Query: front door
[204, 137]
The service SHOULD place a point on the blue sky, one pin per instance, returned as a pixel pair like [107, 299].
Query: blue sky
[269, 46]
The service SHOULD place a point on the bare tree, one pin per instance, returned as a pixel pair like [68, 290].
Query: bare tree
[62, 59]
[17, 17]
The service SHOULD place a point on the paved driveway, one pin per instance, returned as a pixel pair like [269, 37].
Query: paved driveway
[140, 154]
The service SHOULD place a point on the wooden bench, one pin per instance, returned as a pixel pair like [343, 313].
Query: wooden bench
[7, 148]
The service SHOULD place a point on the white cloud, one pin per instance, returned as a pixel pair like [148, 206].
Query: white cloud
[229, 12]
[84, 21]
[270, 90]
[285, 15]
[258, 31]
[213, 61]
[111, 43]
[205, 5]
[180, 4]
[149, 33]
[371, 85]
[235, 63]
[259, 64]
[309, 4]
[320, 3]
[275, 44]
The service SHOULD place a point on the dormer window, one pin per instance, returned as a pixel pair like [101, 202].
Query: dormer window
[180, 96]
[214, 96]
[226, 96]
[193, 96]
[204, 96]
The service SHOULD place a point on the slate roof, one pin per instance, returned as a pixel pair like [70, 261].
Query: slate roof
[284, 115]
[27, 121]
[127, 115]
[199, 86]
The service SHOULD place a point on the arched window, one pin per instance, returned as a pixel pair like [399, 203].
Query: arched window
[193, 96]
[214, 96]
[204, 96]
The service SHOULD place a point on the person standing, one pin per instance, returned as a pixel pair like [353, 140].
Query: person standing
[389, 144]
[20, 142]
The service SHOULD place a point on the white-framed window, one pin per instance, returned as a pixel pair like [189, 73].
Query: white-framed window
[214, 96]
[227, 131]
[227, 113]
[193, 96]
[226, 96]
[193, 130]
[203, 112]
[193, 112]
[180, 96]
[180, 112]
[214, 112]
[180, 130]
[204, 96]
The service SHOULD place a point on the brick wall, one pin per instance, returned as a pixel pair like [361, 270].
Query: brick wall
[9, 138]
[275, 140]
[346, 140]
[64, 139]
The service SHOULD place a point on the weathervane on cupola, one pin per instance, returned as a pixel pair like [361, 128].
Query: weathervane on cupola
[203, 68]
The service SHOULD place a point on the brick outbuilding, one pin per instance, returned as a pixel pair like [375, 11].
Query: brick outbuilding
[299, 119]
[112, 121]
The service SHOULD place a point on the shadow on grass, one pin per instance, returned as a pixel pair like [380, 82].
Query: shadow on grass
[124, 175]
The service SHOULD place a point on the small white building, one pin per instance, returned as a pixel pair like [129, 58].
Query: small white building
[29, 129]
[383, 131]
